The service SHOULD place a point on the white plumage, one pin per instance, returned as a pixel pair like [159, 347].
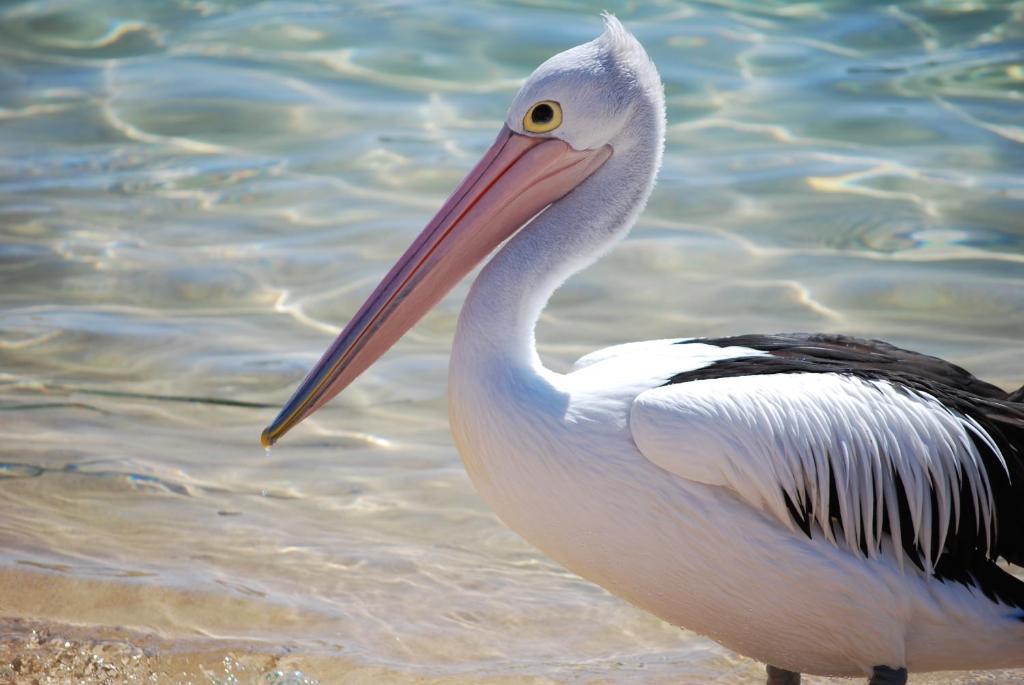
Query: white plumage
[632, 484]
[821, 503]
[776, 436]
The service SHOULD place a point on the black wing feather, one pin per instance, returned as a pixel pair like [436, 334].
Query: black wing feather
[965, 558]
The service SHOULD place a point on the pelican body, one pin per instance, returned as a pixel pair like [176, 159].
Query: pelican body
[821, 503]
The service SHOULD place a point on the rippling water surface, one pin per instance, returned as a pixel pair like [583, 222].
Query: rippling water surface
[194, 195]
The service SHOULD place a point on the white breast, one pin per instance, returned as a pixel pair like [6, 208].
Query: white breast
[554, 457]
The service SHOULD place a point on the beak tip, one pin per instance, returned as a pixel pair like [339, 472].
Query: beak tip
[266, 438]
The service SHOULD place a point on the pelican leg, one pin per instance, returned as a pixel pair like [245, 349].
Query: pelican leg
[883, 675]
[780, 676]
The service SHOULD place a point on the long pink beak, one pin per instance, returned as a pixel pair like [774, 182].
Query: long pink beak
[517, 178]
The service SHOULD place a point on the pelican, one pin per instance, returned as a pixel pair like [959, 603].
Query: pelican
[821, 503]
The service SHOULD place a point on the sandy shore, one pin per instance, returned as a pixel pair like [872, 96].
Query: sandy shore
[56, 629]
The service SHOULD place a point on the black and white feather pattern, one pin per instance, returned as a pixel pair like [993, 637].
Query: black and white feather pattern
[865, 442]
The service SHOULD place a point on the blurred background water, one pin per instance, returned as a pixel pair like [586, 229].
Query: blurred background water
[196, 194]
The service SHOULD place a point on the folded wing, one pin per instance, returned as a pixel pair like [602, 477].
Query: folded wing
[855, 457]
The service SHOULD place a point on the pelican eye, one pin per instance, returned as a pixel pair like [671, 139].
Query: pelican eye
[544, 116]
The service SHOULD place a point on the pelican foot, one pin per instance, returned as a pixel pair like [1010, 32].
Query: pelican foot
[780, 676]
[883, 675]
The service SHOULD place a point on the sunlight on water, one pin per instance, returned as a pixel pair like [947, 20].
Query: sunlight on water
[196, 194]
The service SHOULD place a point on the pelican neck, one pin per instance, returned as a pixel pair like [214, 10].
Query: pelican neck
[500, 315]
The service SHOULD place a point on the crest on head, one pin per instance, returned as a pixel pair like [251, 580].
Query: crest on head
[592, 94]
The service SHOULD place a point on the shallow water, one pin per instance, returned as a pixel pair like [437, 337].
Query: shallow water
[194, 195]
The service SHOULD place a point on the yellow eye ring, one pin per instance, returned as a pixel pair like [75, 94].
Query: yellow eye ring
[544, 116]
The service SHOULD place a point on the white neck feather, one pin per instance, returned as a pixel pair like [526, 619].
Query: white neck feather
[498, 319]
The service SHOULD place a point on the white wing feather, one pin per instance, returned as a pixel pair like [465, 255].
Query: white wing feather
[767, 437]
[634, 349]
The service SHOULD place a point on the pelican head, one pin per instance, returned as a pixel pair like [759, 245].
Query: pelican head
[597, 102]
[598, 86]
